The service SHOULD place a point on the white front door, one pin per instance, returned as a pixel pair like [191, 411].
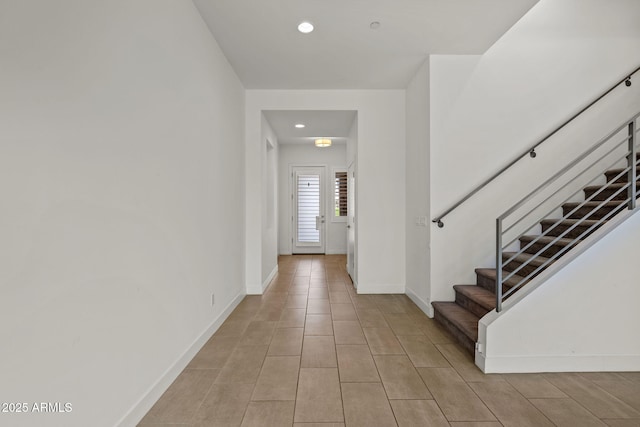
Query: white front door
[351, 223]
[308, 210]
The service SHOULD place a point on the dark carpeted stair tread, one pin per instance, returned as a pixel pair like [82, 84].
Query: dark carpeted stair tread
[524, 264]
[592, 210]
[525, 257]
[569, 222]
[545, 245]
[609, 185]
[570, 228]
[545, 240]
[475, 299]
[463, 320]
[594, 203]
[617, 190]
[490, 274]
[612, 173]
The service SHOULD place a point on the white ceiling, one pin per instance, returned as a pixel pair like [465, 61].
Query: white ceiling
[332, 124]
[261, 41]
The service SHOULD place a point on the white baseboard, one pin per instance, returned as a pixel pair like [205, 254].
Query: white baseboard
[422, 304]
[145, 403]
[335, 252]
[480, 361]
[559, 363]
[255, 289]
[270, 278]
[258, 289]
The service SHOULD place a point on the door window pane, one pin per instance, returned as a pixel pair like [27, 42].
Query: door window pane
[308, 208]
[340, 194]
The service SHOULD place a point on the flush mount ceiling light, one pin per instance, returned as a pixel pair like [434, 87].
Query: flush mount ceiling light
[305, 27]
[323, 142]
[299, 126]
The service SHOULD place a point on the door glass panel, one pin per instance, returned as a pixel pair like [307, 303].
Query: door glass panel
[308, 208]
[340, 194]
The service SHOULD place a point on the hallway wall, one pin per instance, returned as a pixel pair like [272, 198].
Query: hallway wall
[121, 124]
[269, 179]
[418, 189]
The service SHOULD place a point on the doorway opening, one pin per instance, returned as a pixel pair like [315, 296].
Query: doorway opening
[315, 196]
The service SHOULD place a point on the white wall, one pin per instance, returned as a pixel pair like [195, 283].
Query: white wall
[119, 121]
[418, 186]
[270, 191]
[331, 157]
[381, 178]
[486, 111]
[352, 142]
[352, 229]
[584, 318]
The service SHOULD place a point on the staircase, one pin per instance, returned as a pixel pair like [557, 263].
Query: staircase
[474, 301]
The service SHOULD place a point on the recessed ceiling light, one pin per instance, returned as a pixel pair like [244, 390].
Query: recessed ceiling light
[305, 27]
[374, 25]
[299, 125]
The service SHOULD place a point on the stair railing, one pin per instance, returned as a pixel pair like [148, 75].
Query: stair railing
[531, 151]
[554, 194]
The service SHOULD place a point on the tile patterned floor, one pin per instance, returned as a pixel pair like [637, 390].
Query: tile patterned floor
[313, 353]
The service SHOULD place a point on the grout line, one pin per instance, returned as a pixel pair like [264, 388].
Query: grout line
[304, 325]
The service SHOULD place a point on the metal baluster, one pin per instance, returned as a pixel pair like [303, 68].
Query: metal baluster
[632, 165]
[498, 264]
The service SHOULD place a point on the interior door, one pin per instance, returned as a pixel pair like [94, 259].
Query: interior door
[351, 223]
[308, 210]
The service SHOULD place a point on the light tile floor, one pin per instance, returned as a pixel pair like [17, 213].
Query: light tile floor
[311, 352]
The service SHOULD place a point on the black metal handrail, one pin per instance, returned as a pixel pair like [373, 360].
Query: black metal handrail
[532, 150]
